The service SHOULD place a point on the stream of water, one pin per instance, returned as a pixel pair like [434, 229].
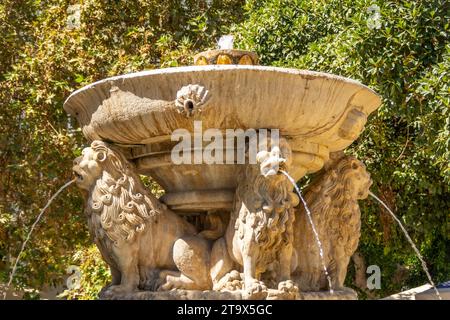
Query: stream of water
[319, 244]
[316, 234]
[417, 252]
[13, 271]
[308, 212]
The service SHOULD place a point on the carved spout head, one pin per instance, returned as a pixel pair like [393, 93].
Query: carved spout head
[270, 163]
[191, 98]
[87, 168]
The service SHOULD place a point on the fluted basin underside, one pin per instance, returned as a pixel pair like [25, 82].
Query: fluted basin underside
[317, 112]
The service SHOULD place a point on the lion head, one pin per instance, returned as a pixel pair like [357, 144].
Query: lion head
[87, 168]
[347, 174]
[117, 197]
[344, 180]
[264, 196]
[356, 179]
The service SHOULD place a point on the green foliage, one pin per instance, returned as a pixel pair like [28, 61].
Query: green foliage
[45, 55]
[406, 143]
[94, 274]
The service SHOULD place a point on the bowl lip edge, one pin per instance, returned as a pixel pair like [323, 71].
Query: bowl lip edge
[215, 68]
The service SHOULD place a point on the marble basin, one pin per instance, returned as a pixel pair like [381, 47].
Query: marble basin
[317, 113]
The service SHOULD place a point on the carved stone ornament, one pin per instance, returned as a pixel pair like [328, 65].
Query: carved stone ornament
[232, 229]
[190, 99]
[265, 252]
[332, 198]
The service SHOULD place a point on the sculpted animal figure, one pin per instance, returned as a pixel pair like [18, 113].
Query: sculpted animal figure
[141, 240]
[333, 201]
[260, 232]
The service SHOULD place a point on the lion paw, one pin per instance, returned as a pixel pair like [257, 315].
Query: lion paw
[257, 290]
[169, 280]
[117, 291]
[287, 290]
[232, 281]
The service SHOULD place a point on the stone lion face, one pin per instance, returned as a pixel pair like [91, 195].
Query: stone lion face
[87, 168]
[359, 180]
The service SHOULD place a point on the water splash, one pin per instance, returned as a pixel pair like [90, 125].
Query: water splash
[226, 42]
[424, 265]
[11, 276]
[316, 234]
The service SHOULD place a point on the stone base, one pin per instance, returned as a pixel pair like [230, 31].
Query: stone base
[345, 294]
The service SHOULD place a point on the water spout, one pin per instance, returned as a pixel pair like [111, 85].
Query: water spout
[417, 252]
[226, 42]
[316, 234]
[13, 271]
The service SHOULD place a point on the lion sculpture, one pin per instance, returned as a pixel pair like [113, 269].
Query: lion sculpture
[260, 232]
[333, 202]
[141, 240]
[149, 247]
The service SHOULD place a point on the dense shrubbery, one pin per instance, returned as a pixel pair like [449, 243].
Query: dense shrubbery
[405, 145]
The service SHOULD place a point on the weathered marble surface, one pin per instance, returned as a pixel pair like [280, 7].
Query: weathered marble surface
[222, 231]
[263, 254]
[317, 113]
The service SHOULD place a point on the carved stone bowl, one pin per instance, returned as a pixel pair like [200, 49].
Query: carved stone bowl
[317, 113]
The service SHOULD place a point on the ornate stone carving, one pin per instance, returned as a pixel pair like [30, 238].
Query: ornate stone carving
[260, 233]
[333, 201]
[190, 98]
[146, 245]
[222, 231]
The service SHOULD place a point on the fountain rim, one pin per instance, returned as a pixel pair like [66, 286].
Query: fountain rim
[213, 68]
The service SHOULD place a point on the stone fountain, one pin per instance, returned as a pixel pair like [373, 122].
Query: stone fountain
[223, 229]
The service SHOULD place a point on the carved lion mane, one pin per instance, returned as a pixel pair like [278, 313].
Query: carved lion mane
[260, 233]
[131, 227]
[117, 198]
[268, 203]
[332, 199]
